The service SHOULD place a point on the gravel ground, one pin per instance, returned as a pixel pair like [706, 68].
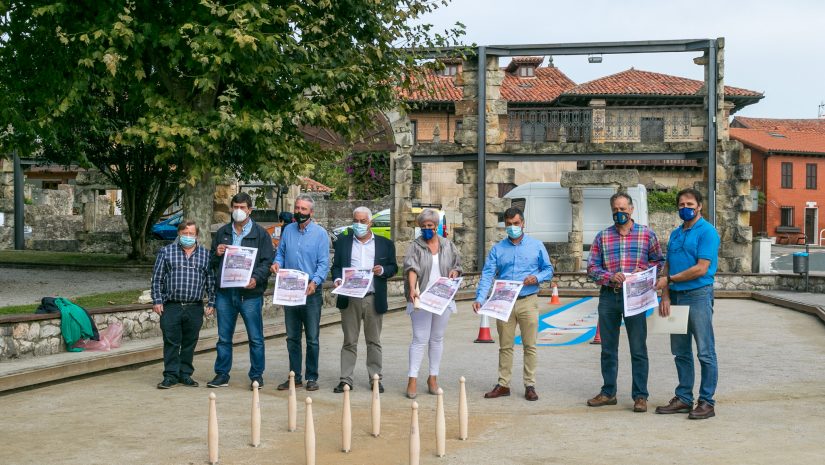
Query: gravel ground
[27, 286]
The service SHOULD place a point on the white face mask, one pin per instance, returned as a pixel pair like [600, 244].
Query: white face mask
[238, 215]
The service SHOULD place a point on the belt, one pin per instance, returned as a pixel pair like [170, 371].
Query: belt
[615, 290]
[184, 303]
[525, 296]
[369, 293]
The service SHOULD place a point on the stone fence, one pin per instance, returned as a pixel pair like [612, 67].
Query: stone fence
[37, 335]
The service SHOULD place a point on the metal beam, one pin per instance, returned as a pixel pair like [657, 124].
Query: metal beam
[19, 205]
[543, 157]
[710, 211]
[481, 177]
[580, 48]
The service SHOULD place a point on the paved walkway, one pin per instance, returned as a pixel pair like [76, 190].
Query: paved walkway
[771, 401]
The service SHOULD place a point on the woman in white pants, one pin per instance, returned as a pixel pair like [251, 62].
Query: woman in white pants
[428, 258]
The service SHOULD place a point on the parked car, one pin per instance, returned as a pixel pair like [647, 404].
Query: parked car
[167, 229]
[382, 226]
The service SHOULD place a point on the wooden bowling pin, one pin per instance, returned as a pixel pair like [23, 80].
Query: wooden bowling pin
[376, 408]
[346, 423]
[212, 431]
[256, 415]
[462, 410]
[309, 434]
[292, 405]
[440, 425]
[415, 439]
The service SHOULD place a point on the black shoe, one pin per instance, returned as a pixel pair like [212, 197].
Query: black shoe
[189, 382]
[219, 381]
[340, 388]
[380, 386]
[285, 385]
[167, 383]
[259, 380]
[312, 385]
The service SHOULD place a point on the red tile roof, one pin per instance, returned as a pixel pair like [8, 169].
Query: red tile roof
[434, 88]
[545, 86]
[772, 124]
[638, 82]
[311, 185]
[516, 62]
[780, 141]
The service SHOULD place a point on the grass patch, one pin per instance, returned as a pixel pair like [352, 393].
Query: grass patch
[90, 301]
[63, 258]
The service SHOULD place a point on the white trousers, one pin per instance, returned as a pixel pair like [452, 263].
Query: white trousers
[428, 331]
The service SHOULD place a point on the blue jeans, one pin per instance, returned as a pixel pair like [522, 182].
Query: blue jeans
[611, 313]
[700, 328]
[306, 318]
[228, 304]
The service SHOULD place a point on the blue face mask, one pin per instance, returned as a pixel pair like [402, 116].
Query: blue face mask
[513, 232]
[621, 218]
[187, 241]
[427, 234]
[687, 214]
[360, 229]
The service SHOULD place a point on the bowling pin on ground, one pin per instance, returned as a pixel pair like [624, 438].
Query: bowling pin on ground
[292, 405]
[346, 423]
[440, 425]
[415, 438]
[309, 434]
[462, 410]
[376, 408]
[212, 431]
[256, 416]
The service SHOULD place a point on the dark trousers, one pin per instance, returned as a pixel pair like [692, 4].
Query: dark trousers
[306, 319]
[181, 326]
[611, 314]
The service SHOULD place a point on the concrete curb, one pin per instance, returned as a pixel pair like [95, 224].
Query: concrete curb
[76, 267]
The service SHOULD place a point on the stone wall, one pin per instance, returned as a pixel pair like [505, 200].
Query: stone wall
[30, 338]
[333, 213]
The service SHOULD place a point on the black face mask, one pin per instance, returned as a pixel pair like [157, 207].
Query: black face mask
[300, 218]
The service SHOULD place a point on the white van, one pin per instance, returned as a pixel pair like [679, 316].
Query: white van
[547, 214]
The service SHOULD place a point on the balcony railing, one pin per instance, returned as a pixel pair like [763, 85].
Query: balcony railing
[613, 124]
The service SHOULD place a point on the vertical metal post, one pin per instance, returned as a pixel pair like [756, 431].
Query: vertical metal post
[710, 211]
[19, 240]
[481, 178]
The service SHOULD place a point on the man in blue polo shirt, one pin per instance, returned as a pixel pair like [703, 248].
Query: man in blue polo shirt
[517, 257]
[692, 255]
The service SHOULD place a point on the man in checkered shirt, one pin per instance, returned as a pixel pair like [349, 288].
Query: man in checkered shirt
[181, 278]
[625, 247]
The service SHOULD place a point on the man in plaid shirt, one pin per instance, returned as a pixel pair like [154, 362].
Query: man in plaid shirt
[181, 277]
[625, 247]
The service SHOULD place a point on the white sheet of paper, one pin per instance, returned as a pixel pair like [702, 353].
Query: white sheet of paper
[639, 292]
[502, 300]
[290, 287]
[238, 263]
[676, 323]
[356, 283]
[439, 295]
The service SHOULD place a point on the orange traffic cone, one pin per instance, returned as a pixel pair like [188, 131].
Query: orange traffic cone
[554, 299]
[598, 338]
[484, 330]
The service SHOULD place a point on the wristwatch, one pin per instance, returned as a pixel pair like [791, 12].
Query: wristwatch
[669, 279]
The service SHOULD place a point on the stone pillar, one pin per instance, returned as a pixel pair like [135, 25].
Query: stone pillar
[465, 236]
[597, 120]
[733, 174]
[401, 175]
[576, 234]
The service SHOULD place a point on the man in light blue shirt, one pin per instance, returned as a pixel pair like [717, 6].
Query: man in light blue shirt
[304, 246]
[518, 257]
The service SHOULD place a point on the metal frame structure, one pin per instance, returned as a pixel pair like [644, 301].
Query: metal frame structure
[585, 48]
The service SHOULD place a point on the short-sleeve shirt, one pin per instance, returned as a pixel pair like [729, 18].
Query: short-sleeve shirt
[686, 247]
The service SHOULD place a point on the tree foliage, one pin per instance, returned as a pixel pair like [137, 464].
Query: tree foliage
[223, 87]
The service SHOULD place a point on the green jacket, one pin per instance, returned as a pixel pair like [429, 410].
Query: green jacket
[74, 323]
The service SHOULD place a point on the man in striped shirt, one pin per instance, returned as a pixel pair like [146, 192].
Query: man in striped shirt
[625, 247]
[181, 277]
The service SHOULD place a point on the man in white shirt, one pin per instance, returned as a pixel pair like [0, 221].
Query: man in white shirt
[359, 248]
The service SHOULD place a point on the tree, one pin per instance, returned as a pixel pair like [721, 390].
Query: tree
[224, 87]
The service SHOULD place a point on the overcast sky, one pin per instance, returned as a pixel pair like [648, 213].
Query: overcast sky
[775, 47]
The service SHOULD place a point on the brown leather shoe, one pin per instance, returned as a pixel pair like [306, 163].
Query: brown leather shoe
[640, 405]
[498, 391]
[601, 400]
[702, 411]
[530, 393]
[675, 406]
